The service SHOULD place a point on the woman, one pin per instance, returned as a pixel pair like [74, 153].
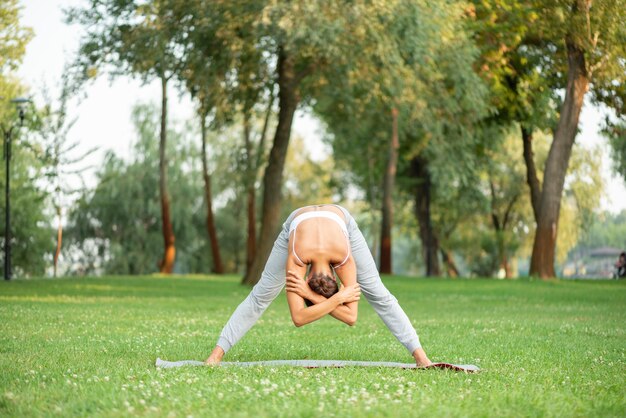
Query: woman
[326, 238]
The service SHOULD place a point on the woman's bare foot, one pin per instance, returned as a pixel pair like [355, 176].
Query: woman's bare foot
[421, 359]
[216, 356]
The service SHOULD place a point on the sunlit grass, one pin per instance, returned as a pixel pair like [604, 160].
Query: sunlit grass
[86, 347]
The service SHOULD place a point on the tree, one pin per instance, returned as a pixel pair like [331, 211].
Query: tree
[594, 43]
[310, 42]
[60, 169]
[140, 39]
[224, 73]
[30, 234]
[117, 223]
[573, 46]
[437, 94]
[388, 186]
[496, 221]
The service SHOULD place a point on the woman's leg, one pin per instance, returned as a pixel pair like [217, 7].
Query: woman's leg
[263, 293]
[383, 302]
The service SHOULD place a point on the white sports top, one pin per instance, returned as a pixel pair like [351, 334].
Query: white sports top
[318, 214]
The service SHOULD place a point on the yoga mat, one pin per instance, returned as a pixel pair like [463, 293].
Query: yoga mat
[313, 364]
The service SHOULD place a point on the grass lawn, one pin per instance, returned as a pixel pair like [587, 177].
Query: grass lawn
[86, 347]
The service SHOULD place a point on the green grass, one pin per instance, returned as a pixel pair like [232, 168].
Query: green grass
[86, 347]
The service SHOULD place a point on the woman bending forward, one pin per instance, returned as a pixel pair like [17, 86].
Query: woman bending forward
[326, 240]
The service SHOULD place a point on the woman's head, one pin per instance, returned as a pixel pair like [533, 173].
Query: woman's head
[322, 284]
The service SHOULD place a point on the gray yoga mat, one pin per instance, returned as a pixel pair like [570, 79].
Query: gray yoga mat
[312, 364]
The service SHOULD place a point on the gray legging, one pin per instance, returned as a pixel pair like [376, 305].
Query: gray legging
[273, 280]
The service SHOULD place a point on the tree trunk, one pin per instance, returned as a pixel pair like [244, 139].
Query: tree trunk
[59, 241]
[218, 268]
[167, 263]
[504, 264]
[430, 243]
[503, 255]
[451, 268]
[542, 261]
[531, 171]
[251, 240]
[288, 99]
[388, 186]
[250, 193]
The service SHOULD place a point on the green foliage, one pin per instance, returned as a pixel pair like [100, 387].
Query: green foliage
[13, 40]
[125, 37]
[13, 37]
[73, 347]
[460, 74]
[464, 216]
[523, 55]
[520, 90]
[422, 65]
[32, 237]
[308, 182]
[605, 230]
[616, 134]
[115, 228]
[120, 218]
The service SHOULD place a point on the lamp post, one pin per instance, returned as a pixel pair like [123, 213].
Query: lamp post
[19, 103]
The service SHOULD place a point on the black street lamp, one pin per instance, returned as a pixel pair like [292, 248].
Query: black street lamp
[19, 103]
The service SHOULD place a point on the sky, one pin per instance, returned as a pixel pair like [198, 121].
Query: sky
[103, 116]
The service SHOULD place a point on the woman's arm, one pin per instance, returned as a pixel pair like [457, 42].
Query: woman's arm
[347, 275]
[299, 286]
[346, 313]
[302, 315]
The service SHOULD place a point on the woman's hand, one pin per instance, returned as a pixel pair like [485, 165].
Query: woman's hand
[298, 286]
[350, 293]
